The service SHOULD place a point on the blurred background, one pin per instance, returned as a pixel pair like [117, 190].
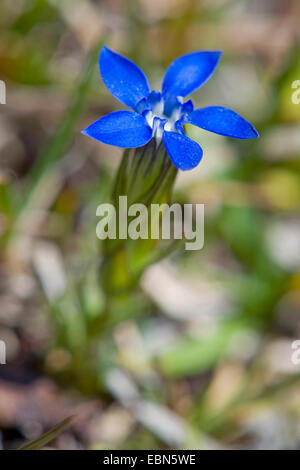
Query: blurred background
[200, 355]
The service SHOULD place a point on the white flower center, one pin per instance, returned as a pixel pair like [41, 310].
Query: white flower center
[159, 122]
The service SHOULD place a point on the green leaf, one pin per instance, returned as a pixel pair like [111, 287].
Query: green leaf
[193, 355]
[48, 436]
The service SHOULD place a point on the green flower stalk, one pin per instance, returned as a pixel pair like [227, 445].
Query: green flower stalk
[145, 176]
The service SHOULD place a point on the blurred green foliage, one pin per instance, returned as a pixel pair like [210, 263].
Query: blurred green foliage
[50, 187]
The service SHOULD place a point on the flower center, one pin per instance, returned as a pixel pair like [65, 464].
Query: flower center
[164, 113]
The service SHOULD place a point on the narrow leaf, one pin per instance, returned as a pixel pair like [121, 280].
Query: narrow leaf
[48, 436]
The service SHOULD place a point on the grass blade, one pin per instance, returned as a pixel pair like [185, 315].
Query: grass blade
[48, 436]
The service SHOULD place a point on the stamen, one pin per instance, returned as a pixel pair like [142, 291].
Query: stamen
[164, 113]
[158, 127]
[149, 116]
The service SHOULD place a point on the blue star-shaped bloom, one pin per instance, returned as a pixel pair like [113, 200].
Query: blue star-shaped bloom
[162, 115]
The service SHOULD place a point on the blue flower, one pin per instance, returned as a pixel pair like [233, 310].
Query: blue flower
[162, 115]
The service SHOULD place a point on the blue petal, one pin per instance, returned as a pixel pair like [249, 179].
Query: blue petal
[187, 73]
[154, 98]
[223, 121]
[125, 80]
[142, 106]
[187, 107]
[184, 152]
[125, 129]
[171, 104]
[179, 127]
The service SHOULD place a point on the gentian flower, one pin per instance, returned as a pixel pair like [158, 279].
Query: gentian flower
[162, 115]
